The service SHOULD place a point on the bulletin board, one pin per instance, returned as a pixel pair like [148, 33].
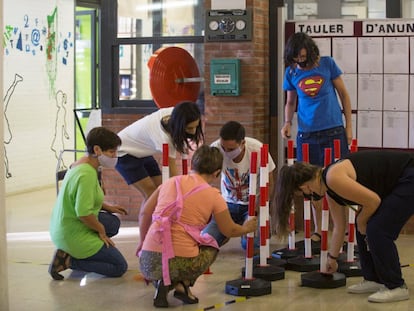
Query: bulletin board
[38, 81]
[377, 59]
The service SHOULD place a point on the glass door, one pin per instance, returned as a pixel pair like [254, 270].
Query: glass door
[86, 73]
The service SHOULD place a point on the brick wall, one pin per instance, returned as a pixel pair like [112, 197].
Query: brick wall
[116, 189]
[250, 108]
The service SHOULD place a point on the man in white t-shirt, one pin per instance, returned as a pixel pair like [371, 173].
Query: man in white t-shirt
[235, 175]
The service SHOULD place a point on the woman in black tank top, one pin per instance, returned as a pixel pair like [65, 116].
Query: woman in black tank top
[381, 184]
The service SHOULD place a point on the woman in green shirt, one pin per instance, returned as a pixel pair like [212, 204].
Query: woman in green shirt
[81, 223]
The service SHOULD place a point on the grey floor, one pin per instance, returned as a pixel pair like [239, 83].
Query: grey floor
[31, 288]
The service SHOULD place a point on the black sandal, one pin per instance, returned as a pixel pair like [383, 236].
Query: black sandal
[59, 263]
[161, 292]
[184, 296]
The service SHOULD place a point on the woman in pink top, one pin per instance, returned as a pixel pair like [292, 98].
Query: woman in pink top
[173, 252]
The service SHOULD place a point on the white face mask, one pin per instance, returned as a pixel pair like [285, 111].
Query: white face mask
[106, 161]
[233, 154]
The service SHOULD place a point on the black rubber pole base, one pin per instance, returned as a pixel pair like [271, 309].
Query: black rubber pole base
[253, 287]
[271, 261]
[286, 253]
[315, 246]
[302, 264]
[350, 269]
[268, 273]
[316, 279]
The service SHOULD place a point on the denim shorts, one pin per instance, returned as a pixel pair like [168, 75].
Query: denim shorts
[318, 141]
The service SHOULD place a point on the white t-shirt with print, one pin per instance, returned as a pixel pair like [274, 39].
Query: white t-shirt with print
[235, 176]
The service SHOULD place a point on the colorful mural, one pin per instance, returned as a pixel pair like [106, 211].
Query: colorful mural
[40, 36]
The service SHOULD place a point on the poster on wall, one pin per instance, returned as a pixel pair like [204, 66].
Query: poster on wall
[38, 75]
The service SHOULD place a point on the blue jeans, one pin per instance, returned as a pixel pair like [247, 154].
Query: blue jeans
[380, 261]
[320, 140]
[107, 261]
[239, 214]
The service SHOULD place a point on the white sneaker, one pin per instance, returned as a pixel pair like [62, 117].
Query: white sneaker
[390, 295]
[365, 287]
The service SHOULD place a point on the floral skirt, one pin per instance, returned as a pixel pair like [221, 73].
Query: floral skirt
[181, 268]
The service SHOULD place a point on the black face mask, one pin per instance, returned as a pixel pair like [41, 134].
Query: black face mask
[303, 64]
[190, 136]
[314, 196]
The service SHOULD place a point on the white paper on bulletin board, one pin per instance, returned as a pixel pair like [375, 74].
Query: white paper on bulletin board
[228, 4]
[350, 81]
[411, 130]
[324, 45]
[395, 129]
[396, 52]
[294, 129]
[370, 55]
[412, 55]
[344, 51]
[369, 129]
[354, 118]
[370, 92]
[354, 124]
[396, 92]
[411, 94]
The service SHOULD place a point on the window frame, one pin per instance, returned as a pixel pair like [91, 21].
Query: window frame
[109, 61]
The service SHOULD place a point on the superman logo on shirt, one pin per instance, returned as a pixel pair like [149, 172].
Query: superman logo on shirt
[311, 85]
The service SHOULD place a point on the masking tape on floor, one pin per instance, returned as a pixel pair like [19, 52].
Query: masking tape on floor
[220, 305]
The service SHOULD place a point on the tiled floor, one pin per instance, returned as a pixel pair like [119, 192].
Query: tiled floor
[32, 289]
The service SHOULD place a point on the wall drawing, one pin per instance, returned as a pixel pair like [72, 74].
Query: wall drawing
[61, 133]
[8, 135]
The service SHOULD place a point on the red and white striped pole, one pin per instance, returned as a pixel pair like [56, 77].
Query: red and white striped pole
[337, 150]
[354, 144]
[307, 210]
[350, 256]
[251, 214]
[184, 162]
[165, 166]
[292, 234]
[266, 151]
[337, 156]
[263, 202]
[325, 220]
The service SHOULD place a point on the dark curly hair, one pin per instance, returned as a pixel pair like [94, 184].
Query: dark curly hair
[297, 42]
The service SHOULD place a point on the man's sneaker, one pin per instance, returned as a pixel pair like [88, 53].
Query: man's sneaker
[390, 295]
[365, 287]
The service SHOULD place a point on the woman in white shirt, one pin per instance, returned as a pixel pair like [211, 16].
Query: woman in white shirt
[179, 126]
